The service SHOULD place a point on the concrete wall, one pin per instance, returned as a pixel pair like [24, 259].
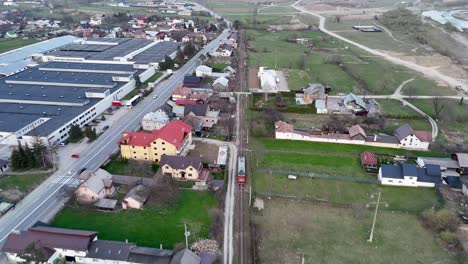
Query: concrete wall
[147, 74]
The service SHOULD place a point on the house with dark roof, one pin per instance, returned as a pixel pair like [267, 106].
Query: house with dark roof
[192, 81]
[208, 116]
[186, 256]
[413, 139]
[410, 175]
[174, 139]
[185, 169]
[50, 241]
[80, 247]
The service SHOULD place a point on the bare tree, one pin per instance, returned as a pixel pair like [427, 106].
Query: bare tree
[164, 191]
[438, 106]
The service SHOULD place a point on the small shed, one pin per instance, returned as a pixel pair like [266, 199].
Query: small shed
[105, 204]
[136, 197]
[369, 161]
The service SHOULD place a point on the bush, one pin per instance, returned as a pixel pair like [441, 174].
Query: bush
[449, 237]
[440, 221]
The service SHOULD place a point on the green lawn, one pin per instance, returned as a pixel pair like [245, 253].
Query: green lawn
[24, 183]
[453, 106]
[297, 79]
[149, 227]
[346, 192]
[11, 44]
[422, 86]
[337, 149]
[396, 108]
[289, 230]
[128, 168]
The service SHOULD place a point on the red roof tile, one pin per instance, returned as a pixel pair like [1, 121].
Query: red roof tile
[174, 133]
[185, 102]
[368, 158]
[424, 136]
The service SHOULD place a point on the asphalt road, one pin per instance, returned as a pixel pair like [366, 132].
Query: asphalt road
[49, 197]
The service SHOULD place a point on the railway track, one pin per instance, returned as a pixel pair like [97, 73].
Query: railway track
[242, 219]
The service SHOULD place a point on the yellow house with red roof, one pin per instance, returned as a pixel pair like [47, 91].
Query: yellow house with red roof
[173, 139]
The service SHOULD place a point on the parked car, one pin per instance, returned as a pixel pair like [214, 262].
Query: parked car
[62, 144]
[464, 218]
[105, 128]
[75, 156]
[155, 97]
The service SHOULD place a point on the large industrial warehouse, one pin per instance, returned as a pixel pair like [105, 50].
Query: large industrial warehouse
[75, 83]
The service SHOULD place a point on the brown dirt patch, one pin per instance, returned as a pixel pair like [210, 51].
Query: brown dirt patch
[454, 71]
[207, 152]
[455, 136]
[11, 195]
[429, 61]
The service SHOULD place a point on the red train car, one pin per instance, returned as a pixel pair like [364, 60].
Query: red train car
[241, 177]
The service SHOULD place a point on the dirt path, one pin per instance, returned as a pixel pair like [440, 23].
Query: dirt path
[427, 71]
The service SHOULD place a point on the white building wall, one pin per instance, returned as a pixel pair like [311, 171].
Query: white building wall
[147, 74]
[131, 203]
[412, 142]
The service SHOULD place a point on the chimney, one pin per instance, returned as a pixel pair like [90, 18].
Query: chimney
[375, 138]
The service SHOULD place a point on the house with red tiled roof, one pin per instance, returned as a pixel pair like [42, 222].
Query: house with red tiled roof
[369, 161]
[173, 139]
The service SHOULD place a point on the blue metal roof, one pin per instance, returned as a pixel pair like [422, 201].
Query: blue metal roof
[391, 171]
[409, 170]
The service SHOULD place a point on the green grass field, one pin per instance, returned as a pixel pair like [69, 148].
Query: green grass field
[422, 86]
[149, 227]
[22, 183]
[346, 193]
[11, 44]
[118, 167]
[325, 234]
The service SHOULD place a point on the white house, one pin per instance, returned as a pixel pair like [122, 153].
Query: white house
[136, 197]
[221, 84]
[411, 139]
[410, 175]
[203, 71]
[94, 185]
[155, 120]
[321, 106]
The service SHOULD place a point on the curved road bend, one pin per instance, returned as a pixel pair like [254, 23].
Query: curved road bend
[428, 71]
[47, 198]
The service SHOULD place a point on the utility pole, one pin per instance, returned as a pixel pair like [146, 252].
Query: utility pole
[271, 183]
[187, 234]
[250, 195]
[371, 237]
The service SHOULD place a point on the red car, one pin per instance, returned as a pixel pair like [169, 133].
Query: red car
[75, 156]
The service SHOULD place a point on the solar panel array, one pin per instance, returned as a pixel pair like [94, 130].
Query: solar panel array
[156, 53]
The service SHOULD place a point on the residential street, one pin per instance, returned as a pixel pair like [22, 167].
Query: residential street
[49, 197]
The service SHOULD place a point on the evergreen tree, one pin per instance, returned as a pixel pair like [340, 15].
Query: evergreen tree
[75, 133]
[30, 158]
[168, 63]
[90, 133]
